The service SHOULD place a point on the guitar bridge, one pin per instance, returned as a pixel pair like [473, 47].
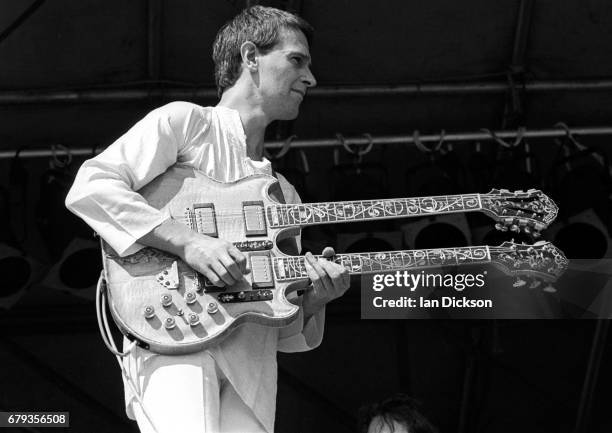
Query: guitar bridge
[246, 296]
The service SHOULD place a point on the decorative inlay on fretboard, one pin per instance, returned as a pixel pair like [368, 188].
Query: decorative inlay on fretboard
[291, 268]
[321, 213]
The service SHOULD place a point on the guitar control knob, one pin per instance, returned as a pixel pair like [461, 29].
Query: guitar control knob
[549, 289]
[166, 300]
[190, 297]
[169, 323]
[194, 319]
[212, 308]
[241, 295]
[519, 283]
[149, 312]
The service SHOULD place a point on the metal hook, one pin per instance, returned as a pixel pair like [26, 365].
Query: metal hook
[581, 147]
[569, 135]
[304, 159]
[340, 138]
[418, 143]
[368, 147]
[519, 137]
[345, 145]
[56, 162]
[283, 151]
[439, 145]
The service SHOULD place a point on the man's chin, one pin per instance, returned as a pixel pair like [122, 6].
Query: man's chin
[290, 115]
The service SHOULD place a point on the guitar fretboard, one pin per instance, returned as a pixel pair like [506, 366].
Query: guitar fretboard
[292, 268]
[284, 215]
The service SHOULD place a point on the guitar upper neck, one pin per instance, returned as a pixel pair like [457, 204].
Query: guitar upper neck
[292, 267]
[287, 215]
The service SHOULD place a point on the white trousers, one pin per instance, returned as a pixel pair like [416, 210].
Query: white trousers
[189, 394]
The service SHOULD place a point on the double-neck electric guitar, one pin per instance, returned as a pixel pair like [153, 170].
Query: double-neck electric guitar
[158, 300]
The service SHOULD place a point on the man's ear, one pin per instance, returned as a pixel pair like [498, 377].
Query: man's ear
[248, 52]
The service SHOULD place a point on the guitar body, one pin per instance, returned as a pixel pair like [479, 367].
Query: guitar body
[138, 286]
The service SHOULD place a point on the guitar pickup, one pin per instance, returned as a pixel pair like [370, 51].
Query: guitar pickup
[254, 218]
[205, 219]
[261, 270]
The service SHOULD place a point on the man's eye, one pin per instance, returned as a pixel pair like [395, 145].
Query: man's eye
[297, 60]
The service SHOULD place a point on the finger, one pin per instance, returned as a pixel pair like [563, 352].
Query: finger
[315, 265]
[331, 269]
[346, 279]
[328, 252]
[310, 270]
[222, 273]
[322, 277]
[314, 279]
[239, 258]
[336, 276]
[232, 267]
[213, 278]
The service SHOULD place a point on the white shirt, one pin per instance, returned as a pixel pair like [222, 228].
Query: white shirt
[212, 140]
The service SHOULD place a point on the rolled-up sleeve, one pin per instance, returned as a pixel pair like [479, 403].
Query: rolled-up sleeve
[104, 192]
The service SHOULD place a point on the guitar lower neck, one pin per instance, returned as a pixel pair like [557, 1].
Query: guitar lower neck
[289, 215]
[292, 268]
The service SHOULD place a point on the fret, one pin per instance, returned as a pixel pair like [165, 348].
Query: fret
[280, 210]
[295, 271]
[272, 216]
[302, 213]
[300, 268]
[319, 213]
[279, 268]
[412, 206]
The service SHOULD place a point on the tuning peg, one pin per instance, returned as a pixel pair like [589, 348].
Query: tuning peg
[536, 234]
[519, 282]
[514, 228]
[501, 227]
[535, 283]
[527, 229]
[549, 289]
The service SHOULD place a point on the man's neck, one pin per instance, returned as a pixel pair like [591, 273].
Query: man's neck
[254, 120]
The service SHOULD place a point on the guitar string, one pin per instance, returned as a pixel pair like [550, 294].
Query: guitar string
[339, 258]
[298, 263]
[361, 212]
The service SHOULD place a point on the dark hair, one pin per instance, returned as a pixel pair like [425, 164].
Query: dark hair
[258, 24]
[399, 408]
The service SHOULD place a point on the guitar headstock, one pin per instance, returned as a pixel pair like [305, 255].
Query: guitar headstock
[542, 261]
[517, 211]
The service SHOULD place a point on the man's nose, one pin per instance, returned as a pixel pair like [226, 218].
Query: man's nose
[309, 79]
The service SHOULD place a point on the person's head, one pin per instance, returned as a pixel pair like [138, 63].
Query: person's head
[397, 414]
[270, 49]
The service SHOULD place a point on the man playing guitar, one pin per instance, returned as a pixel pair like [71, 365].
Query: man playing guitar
[262, 71]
